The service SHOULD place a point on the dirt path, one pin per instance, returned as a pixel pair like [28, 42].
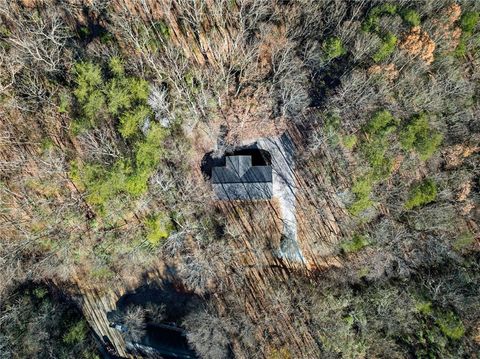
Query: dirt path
[284, 189]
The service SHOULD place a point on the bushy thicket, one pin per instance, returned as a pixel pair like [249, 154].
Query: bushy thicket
[35, 325]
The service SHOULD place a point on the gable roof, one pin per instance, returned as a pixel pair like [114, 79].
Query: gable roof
[240, 180]
[239, 169]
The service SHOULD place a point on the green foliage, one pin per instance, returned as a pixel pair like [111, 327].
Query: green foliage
[131, 120]
[450, 325]
[411, 17]
[469, 21]
[389, 41]
[64, 103]
[124, 98]
[362, 189]
[464, 240]
[118, 95]
[419, 136]
[377, 143]
[116, 66]
[39, 292]
[76, 333]
[124, 93]
[332, 123]
[162, 28]
[349, 141]
[381, 124]
[422, 193]
[88, 78]
[96, 96]
[125, 176]
[47, 144]
[158, 228]
[149, 152]
[424, 307]
[333, 48]
[372, 21]
[461, 49]
[355, 244]
[84, 32]
[4, 31]
[41, 327]
[331, 127]
[101, 273]
[375, 152]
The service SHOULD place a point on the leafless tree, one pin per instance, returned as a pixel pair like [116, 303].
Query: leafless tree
[134, 321]
[41, 40]
[208, 333]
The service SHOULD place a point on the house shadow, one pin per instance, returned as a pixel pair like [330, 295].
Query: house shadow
[159, 332]
[259, 158]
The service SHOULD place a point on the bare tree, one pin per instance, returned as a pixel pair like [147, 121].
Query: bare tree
[41, 40]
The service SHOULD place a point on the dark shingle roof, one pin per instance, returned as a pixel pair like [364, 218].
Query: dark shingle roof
[239, 169]
[240, 180]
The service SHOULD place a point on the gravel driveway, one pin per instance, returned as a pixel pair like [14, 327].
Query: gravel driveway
[284, 188]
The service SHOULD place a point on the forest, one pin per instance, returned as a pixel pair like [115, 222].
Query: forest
[110, 232]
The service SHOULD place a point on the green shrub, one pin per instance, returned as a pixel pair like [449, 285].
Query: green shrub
[349, 141]
[464, 240]
[377, 143]
[355, 244]
[450, 325]
[102, 273]
[88, 92]
[333, 48]
[93, 106]
[411, 17]
[88, 78]
[84, 32]
[116, 66]
[64, 103]
[375, 152]
[419, 136]
[469, 21]
[139, 88]
[362, 189]
[331, 128]
[102, 184]
[158, 227]
[461, 49]
[76, 334]
[137, 183]
[424, 307]
[124, 99]
[162, 28]
[363, 186]
[4, 31]
[388, 8]
[372, 21]
[422, 193]
[119, 96]
[387, 47]
[130, 121]
[149, 152]
[332, 122]
[382, 123]
[39, 292]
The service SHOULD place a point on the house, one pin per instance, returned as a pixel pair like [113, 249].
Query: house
[239, 180]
